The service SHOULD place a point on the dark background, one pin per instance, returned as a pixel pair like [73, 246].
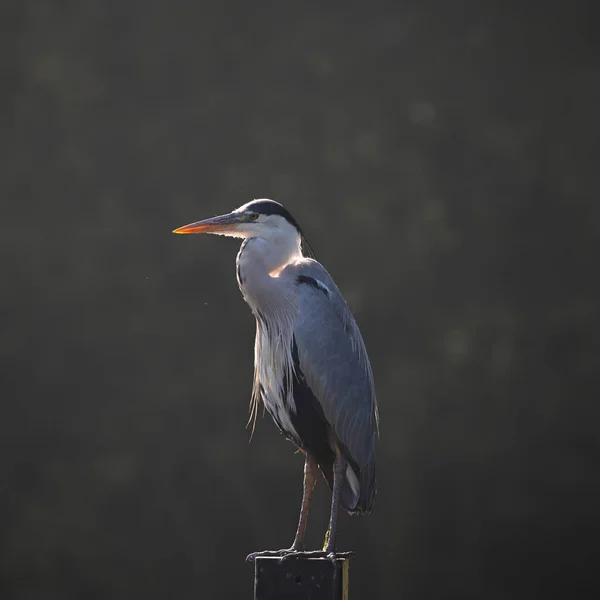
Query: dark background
[443, 160]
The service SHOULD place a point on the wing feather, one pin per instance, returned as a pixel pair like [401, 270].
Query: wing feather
[334, 360]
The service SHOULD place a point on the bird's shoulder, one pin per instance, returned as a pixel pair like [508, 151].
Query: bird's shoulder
[319, 298]
[308, 271]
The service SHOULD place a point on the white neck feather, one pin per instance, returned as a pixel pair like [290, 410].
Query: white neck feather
[260, 262]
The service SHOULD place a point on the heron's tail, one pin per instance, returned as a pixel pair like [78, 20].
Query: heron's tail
[358, 489]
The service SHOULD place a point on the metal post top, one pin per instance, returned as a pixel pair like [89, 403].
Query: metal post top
[301, 577]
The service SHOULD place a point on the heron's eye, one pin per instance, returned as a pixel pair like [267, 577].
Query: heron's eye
[253, 216]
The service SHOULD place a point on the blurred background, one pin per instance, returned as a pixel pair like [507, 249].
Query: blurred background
[443, 160]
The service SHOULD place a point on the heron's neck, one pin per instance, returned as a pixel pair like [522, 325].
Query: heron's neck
[258, 264]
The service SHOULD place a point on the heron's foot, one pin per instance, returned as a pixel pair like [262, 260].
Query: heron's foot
[325, 553]
[283, 553]
[292, 553]
[329, 554]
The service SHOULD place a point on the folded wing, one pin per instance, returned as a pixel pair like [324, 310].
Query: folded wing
[334, 363]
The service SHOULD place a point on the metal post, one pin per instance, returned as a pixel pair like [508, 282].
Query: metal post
[301, 578]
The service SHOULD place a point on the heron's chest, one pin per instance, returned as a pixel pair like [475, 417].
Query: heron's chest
[273, 364]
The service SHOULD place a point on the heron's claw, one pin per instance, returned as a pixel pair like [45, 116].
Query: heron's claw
[330, 554]
[283, 553]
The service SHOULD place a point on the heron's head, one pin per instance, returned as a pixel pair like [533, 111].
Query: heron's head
[260, 218]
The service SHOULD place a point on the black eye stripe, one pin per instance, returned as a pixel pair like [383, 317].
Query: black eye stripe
[269, 207]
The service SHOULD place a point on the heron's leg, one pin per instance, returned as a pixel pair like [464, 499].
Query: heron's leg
[339, 467]
[310, 480]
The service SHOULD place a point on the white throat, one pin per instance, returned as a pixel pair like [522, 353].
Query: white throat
[261, 259]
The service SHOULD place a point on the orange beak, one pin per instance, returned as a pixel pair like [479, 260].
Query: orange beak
[222, 224]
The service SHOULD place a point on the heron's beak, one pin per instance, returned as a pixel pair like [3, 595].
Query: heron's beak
[219, 225]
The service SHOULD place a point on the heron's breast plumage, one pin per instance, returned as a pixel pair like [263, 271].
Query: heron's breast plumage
[274, 304]
[273, 363]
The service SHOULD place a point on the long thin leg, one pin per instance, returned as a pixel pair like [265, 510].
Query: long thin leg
[339, 466]
[310, 480]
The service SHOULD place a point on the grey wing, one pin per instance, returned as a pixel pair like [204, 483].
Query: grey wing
[334, 361]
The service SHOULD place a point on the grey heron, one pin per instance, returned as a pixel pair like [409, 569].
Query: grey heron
[311, 369]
